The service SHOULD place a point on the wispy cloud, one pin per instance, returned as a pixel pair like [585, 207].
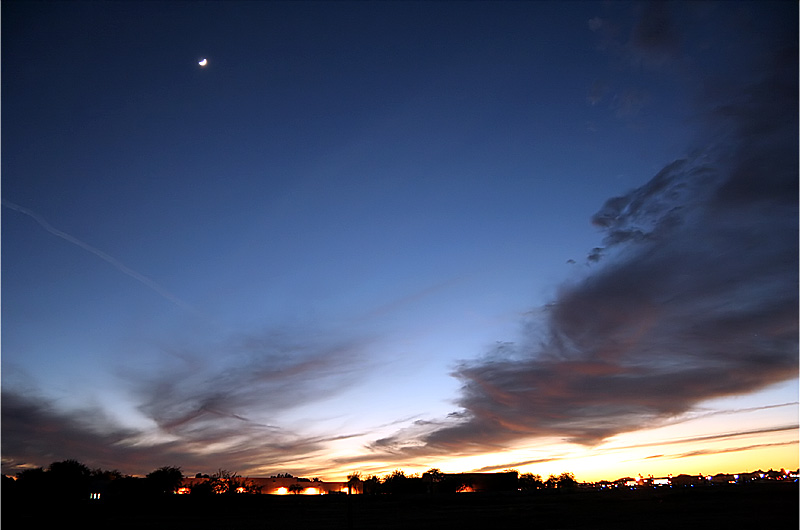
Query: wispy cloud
[213, 395]
[714, 437]
[734, 449]
[698, 413]
[517, 464]
[208, 409]
[37, 430]
[141, 278]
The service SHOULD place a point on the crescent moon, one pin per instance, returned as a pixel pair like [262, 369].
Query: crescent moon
[203, 62]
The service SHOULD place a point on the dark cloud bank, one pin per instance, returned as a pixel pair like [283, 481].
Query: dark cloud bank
[693, 296]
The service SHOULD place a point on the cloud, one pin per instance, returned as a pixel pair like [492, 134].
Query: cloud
[714, 437]
[698, 413]
[141, 278]
[35, 430]
[514, 465]
[734, 449]
[694, 440]
[693, 296]
[211, 396]
[208, 409]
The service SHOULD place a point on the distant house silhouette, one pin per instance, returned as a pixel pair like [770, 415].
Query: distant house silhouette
[281, 486]
[461, 482]
[688, 480]
[477, 482]
[724, 478]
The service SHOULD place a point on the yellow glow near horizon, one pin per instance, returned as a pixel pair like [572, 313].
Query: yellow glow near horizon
[594, 464]
[683, 448]
[730, 435]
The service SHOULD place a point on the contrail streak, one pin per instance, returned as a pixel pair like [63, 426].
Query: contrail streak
[102, 255]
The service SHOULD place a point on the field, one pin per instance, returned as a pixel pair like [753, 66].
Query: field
[769, 505]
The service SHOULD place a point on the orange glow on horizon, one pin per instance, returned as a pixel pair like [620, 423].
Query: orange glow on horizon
[730, 435]
[677, 449]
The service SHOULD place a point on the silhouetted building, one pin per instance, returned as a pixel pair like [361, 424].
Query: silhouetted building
[484, 482]
[280, 486]
[687, 480]
[723, 478]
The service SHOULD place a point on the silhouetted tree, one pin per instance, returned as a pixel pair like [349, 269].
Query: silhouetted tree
[295, 488]
[128, 488]
[106, 474]
[353, 481]
[399, 483]
[567, 480]
[529, 481]
[69, 479]
[564, 480]
[166, 479]
[221, 481]
[395, 483]
[226, 482]
[32, 482]
[433, 479]
[69, 470]
[372, 485]
[9, 489]
[202, 488]
[243, 485]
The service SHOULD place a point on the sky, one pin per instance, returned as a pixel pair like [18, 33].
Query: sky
[551, 237]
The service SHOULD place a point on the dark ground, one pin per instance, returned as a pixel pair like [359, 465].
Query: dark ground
[767, 505]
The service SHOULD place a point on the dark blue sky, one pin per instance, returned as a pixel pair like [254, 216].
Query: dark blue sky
[322, 232]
